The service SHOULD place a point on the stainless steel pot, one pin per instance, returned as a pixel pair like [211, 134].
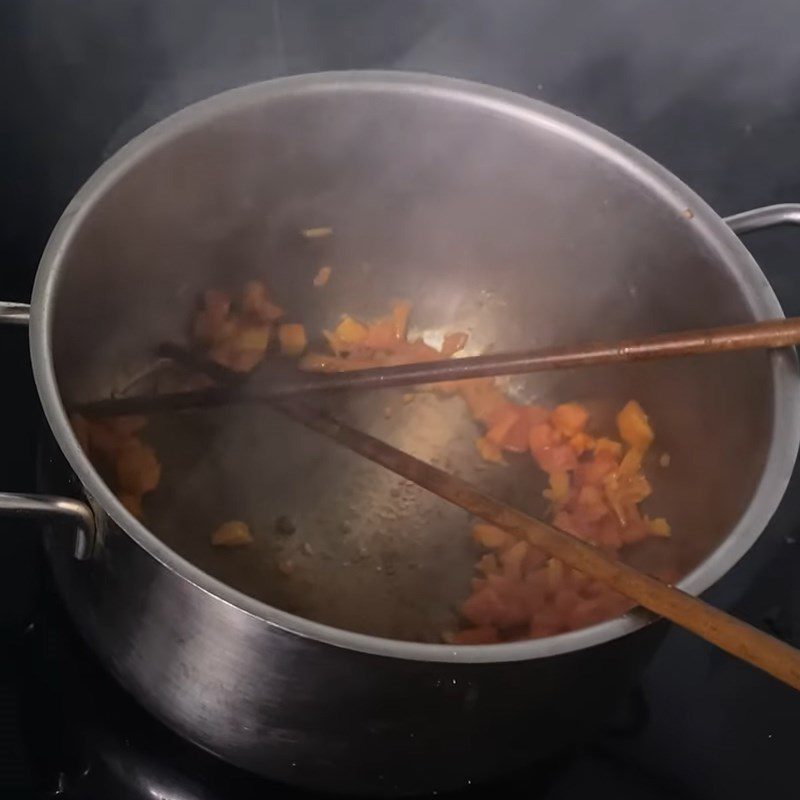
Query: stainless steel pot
[487, 210]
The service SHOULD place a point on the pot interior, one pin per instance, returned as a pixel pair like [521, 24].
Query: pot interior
[505, 224]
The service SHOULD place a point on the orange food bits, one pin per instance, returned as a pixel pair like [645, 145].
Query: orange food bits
[349, 331]
[400, 311]
[292, 337]
[580, 443]
[490, 536]
[232, 534]
[133, 502]
[558, 493]
[512, 560]
[489, 451]
[634, 427]
[608, 447]
[658, 526]
[127, 425]
[138, 469]
[253, 337]
[549, 450]
[488, 564]
[632, 462]
[569, 418]
[502, 424]
[322, 277]
[382, 335]
[256, 304]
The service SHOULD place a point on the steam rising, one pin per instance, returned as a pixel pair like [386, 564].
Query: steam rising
[713, 75]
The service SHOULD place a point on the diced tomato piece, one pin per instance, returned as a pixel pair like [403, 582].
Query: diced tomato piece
[487, 607]
[546, 622]
[513, 559]
[594, 471]
[609, 447]
[400, 311]
[489, 451]
[488, 564]
[548, 451]
[658, 526]
[292, 337]
[581, 442]
[349, 331]
[591, 503]
[635, 529]
[381, 335]
[491, 537]
[502, 424]
[569, 418]
[127, 425]
[558, 491]
[564, 601]
[609, 533]
[632, 462]
[534, 559]
[482, 398]
[634, 427]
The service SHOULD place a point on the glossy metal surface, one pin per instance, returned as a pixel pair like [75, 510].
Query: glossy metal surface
[14, 313]
[489, 212]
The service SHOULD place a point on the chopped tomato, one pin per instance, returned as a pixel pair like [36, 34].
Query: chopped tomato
[292, 338]
[513, 559]
[489, 451]
[400, 312]
[549, 450]
[232, 534]
[502, 424]
[322, 277]
[569, 418]
[608, 447]
[349, 331]
[381, 335]
[490, 536]
[634, 427]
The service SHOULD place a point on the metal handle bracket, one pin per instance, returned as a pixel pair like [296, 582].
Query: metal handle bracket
[758, 219]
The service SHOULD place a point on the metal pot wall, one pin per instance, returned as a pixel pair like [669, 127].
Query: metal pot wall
[483, 208]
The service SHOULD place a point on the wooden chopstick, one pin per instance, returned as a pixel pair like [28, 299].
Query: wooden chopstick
[770, 334]
[726, 632]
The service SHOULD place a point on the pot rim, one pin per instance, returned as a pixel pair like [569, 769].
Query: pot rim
[758, 294]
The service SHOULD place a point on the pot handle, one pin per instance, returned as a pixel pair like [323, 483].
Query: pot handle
[759, 219]
[78, 515]
[15, 313]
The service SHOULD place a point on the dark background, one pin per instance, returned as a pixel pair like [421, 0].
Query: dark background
[710, 89]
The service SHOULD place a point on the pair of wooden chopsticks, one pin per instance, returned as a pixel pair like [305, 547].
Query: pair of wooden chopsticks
[758, 335]
[726, 632]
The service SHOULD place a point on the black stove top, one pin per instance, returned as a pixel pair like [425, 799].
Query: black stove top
[711, 90]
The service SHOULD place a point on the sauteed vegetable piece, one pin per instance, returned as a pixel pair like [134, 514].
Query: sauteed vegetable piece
[232, 534]
[130, 465]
